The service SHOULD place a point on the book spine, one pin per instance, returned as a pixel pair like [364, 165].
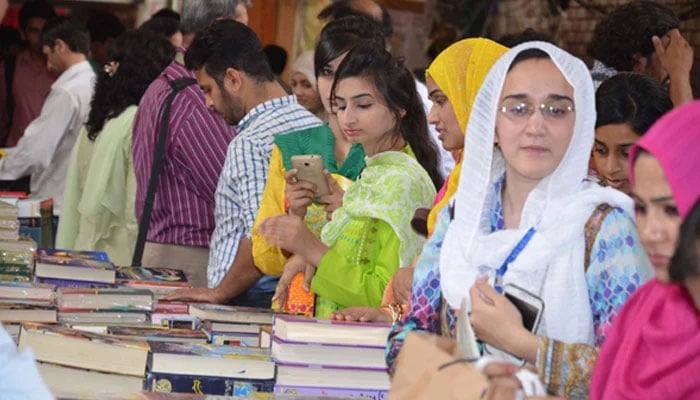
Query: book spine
[173, 383]
[302, 391]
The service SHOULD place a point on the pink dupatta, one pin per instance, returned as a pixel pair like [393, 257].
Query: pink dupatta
[653, 348]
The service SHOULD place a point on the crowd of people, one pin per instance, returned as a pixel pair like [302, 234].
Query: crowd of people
[515, 165]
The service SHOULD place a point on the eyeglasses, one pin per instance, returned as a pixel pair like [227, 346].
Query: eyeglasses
[519, 110]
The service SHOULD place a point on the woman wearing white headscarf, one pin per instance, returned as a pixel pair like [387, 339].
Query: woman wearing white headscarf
[528, 202]
[303, 83]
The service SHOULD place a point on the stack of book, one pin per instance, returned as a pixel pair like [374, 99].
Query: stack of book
[9, 222]
[20, 298]
[104, 305]
[174, 314]
[238, 326]
[67, 268]
[35, 216]
[75, 362]
[317, 357]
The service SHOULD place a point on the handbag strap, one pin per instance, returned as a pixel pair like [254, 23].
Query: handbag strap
[177, 86]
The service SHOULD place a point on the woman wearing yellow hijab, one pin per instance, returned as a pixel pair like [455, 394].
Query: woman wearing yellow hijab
[453, 80]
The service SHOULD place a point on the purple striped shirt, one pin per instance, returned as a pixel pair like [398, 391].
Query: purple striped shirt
[183, 211]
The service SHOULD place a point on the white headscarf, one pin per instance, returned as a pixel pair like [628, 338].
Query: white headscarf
[552, 263]
[304, 64]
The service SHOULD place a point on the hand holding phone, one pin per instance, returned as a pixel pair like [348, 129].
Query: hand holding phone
[310, 169]
[530, 307]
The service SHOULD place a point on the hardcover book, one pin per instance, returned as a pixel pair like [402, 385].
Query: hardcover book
[328, 354]
[119, 299]
[69, 347]
[222, 313]
[71, 283]
[332, 377]
[202, 384]
[303, 329]
[69, 382]
[303, 391]
[80, 268]
[104, 317]
[211, 360]
[158, 333]
[18, 312]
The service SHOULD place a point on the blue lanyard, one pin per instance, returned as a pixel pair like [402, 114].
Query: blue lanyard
[498, 284]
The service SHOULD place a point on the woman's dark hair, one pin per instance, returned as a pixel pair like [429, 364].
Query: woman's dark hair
[395, 84]
[341, 35]
[529, 54]
[686, 260]
[633, 99]
[141, 56]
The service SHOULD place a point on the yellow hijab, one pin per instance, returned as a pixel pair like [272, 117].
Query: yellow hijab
[459, 72]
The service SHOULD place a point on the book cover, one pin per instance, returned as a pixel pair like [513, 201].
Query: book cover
[151, 276]
[223, 313]
[175, 320]
[303, 391]
[201, 384]
[299, 301]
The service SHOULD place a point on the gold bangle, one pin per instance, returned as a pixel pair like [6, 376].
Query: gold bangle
[396, 312]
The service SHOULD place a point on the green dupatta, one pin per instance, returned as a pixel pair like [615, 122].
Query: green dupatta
[320, 140]
[392, 186]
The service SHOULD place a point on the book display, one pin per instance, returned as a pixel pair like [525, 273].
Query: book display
[100, 331]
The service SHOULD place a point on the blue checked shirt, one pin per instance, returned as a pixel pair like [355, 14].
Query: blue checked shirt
[243, 179]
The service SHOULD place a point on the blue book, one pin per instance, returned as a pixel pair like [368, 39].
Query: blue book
[202, 384]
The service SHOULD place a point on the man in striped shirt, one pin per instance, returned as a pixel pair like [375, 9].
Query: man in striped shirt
[182, 221]
[238, 83]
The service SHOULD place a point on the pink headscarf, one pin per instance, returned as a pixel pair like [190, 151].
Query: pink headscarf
[674, 140]
[653, 348]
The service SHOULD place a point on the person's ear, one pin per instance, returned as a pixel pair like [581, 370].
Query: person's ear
[402, 113]
[60, 46]
[233, 80]
[640, 63]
